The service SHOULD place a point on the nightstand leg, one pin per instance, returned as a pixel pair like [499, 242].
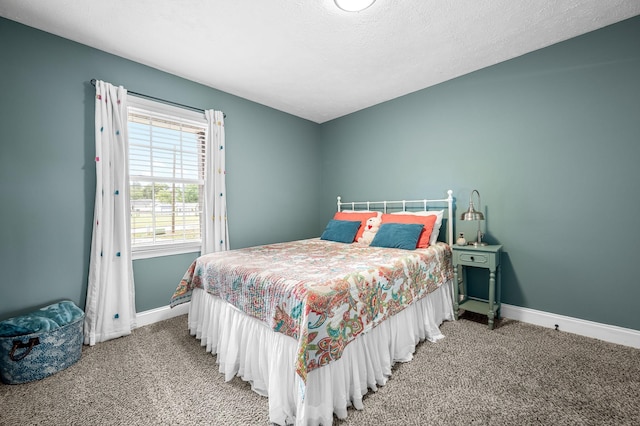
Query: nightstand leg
[456, 293]
[492, 295]
[498, 291]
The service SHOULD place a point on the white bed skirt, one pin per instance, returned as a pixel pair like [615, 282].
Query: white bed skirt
[248, 348]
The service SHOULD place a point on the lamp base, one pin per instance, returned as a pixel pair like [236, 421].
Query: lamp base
[476, 244]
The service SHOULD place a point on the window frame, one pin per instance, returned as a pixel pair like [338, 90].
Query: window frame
[163, 110]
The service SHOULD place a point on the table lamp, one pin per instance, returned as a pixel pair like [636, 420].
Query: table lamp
[472, 214]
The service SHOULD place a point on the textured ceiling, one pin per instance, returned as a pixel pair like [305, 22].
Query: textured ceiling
[309, 58]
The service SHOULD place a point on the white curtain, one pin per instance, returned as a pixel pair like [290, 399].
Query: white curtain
[216, 231]
[110, 308]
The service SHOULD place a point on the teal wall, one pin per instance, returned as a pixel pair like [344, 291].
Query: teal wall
[47, 171]
[551, 140]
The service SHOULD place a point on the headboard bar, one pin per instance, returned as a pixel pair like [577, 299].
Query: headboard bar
[403, 203]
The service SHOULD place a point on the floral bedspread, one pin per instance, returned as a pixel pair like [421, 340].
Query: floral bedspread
[322, 293]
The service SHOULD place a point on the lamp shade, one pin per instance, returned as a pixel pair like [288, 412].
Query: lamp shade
[472, 214]
[353, 5]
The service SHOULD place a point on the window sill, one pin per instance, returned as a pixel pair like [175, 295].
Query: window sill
[168, 250]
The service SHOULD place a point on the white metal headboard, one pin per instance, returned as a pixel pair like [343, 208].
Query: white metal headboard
[402, 205]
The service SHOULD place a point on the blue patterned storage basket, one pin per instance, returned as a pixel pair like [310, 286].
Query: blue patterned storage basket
[56, 345]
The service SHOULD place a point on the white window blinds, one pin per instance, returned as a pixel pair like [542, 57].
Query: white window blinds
[166, 173]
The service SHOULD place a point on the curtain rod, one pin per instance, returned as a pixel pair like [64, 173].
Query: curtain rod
[93, 83]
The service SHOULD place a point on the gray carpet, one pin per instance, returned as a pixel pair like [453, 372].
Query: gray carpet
[517, 374]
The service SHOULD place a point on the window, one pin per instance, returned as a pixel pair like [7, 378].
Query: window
[166, 175]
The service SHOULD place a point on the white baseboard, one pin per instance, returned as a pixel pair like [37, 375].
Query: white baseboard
[608, 333]
[160, 314]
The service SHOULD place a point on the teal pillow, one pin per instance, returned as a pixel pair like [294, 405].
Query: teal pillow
[398, 235]
[341, 231]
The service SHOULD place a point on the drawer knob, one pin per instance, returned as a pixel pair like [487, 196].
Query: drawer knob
[472, 259]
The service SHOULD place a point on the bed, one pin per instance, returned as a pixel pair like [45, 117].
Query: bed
[315, 324]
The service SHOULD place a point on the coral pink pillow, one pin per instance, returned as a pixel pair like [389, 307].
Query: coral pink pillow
[361, 216]
[426, 221]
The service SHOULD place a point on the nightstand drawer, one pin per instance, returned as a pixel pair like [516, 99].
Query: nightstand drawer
[474, 258]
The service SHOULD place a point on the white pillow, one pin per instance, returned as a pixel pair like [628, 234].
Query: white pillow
[436, 226]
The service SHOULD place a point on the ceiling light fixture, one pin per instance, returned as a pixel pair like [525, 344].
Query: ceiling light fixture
[354, 5]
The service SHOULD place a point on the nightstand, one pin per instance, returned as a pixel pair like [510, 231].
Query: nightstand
[471, 256]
